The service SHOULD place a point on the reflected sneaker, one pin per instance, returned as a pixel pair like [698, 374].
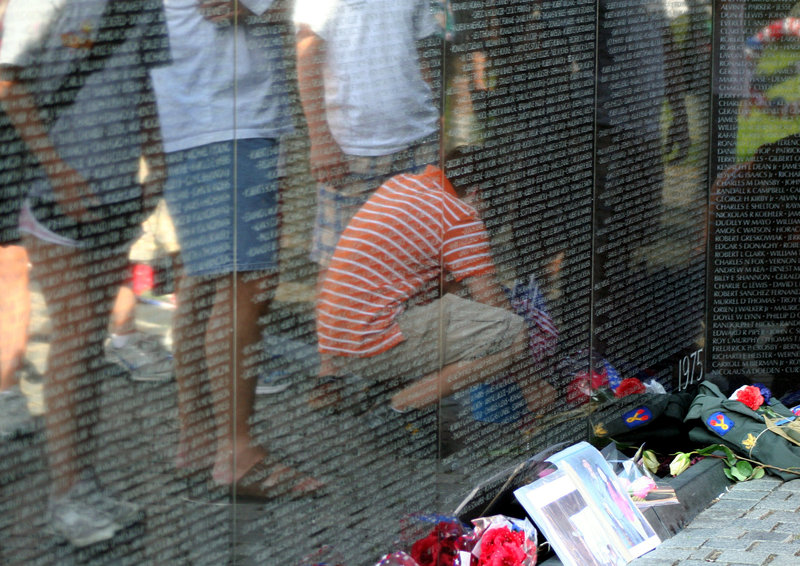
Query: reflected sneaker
[87, 515]
[15, 418]
[273, 382]
[143, 356]
[31, 383]
[79, 522]
[88, 489]
[123, 513]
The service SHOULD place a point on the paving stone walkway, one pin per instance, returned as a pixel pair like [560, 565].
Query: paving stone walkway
[755, 523]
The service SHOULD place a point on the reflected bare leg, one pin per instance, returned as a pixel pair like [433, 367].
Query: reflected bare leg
[460, 375]
[233, 385]
[219, 334]
[123, 313]
[197, 439]
[79, 288]
[15, 310]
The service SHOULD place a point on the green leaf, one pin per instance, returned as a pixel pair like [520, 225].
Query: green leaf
[729, 474]
[758, 473]
[737, 475]
[730, 457]
[709, 449]
[745, 468]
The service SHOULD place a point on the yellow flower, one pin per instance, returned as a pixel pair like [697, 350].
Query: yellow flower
[750, 441]
[650, 461]
[600, 430]
[679, 464]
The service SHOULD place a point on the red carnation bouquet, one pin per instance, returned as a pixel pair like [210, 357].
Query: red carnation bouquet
[495, 541]
[443, 545]
[503, 541]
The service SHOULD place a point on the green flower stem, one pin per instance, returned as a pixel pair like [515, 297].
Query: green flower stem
[734, 470]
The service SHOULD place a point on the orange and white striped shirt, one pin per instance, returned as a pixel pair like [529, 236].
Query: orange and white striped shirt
[411, 230]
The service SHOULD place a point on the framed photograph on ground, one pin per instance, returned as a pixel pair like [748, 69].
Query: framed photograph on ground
[584, 512]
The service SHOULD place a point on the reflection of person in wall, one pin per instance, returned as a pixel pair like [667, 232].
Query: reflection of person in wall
[369, 110]
[374, 315]
[524, 106]
[15, 306]
[74, 85]
[15, 309]
[223, 106]
[675, 89]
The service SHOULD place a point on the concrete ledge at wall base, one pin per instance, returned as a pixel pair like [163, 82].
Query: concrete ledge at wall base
[696, 488]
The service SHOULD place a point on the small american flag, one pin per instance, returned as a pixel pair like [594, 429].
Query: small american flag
[528, 301]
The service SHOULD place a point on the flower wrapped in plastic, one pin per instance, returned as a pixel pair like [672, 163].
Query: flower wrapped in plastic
[445, 545]
[584, 386]
[637, 478]
[503, 541]
[398, 558]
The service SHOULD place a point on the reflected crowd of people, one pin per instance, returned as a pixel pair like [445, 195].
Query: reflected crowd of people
[450, 151]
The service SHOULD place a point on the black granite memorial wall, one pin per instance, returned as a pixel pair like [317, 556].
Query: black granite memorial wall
[409, 244]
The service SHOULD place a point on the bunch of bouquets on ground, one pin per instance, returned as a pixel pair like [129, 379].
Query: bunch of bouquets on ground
[490, 541]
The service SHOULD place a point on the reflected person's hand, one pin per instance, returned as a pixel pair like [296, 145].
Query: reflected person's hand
[222, 12]
[328, 163]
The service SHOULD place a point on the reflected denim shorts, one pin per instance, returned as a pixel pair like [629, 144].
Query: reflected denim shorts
[223, 199]
[336, 206]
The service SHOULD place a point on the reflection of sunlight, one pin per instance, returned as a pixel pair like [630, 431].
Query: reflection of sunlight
[675, 8]
[772, 111]
[294, 292]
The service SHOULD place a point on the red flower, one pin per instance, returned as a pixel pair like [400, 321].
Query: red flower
[502, 547]
[599, 379]
[750, 396]
[583, 385]
[629, 386]
[579, 390]
[439, 548]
